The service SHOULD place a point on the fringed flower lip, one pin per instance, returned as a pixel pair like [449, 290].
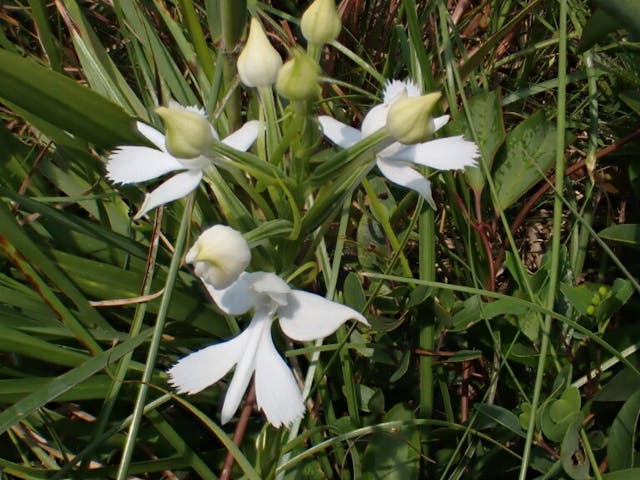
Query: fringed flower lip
[302, 316]
[397, 161]
[136, 164]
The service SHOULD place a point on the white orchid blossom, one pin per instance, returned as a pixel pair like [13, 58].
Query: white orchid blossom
[135, 164]
[397, 160]
[302, 316]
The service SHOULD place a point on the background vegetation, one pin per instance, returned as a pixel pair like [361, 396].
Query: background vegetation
[504, 324]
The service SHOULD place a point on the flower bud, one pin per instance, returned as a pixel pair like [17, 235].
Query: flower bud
[321, 22]
[188, 134]
[409, 120]
[258, 63]
[219, 256]
[298, 78]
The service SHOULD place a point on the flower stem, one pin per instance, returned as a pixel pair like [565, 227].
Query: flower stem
[138, 409]
[555, 236]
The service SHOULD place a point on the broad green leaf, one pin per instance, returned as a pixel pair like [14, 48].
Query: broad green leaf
[502, 416]
[626, 474]
[627, 12]
[528, 153]
[393, 455]
[485, 111]
[62, 102]
[621, 449]
[624, 384]
[574, 459]
[627, 233]
[599, 25]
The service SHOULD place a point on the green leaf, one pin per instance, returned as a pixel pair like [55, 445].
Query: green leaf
[62, 102]
[622, 436]
[627, 233]
[528, 153]
[502, 416]
[627, 474]
[393, 455]
[627, 12]
[598, 27]
[485, 110]
[573, 458]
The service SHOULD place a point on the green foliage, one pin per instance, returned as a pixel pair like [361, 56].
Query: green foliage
[473, 309]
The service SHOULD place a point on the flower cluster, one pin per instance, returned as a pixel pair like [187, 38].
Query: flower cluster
[403, 125]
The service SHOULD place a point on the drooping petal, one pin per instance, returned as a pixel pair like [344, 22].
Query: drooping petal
[237, 298]
[197, 371]
[404, 175]
[277, 393]
[448, 153]
[133, 164]
[176, 187]
[260, 326]
[153, 135]
[310, 317]
[339, 133]
[243, 138]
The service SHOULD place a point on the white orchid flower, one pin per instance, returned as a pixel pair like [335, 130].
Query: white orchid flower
[397, 160]
[134, 164]
[302, 316]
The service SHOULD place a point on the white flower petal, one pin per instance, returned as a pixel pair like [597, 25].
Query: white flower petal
[277, 393]
[243, 138]
[260, 326]
[393, 88]
[374, 120]
[176, 187]
[269, 285]
[339, 133]
[439, 122]
[310, 317]
[133, 164]
[153, 135]
[448, 153]
[404, 175]
[197, 371]
[237, 298]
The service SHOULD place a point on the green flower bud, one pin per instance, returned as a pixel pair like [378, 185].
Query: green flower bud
[298, 78]
[596, 299]
[258, 63]
[409, 119]
[219, 256]
[188, 133]
[591, 310]
[603, 291]
[321, 22]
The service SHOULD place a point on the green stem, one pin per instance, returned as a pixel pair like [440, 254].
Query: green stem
[555, 237]
[138, 409]
[592, 459]
[427, 327]
[383, 218]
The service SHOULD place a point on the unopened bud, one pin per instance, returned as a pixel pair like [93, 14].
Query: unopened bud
[188, 134]
[321, 22]
[298, 78]
[219, 256]
[409, 120]
[258, 63]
